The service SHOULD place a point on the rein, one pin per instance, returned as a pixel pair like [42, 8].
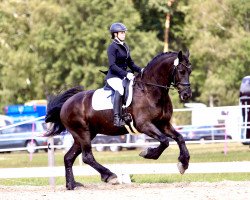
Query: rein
[156, 85]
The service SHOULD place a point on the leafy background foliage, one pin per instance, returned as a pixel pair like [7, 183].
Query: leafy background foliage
[49, 45]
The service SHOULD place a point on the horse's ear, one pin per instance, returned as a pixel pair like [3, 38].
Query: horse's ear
[187, 54]
[180, 55]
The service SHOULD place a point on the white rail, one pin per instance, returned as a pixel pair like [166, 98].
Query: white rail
[120, 169]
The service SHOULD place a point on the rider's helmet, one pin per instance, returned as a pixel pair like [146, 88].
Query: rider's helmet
[117, 27]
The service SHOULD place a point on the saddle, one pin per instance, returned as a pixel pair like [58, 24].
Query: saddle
[103, 98]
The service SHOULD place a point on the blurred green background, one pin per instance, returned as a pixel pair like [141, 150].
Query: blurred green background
[47, 45]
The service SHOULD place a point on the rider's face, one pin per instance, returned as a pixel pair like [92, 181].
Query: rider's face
[121, 35]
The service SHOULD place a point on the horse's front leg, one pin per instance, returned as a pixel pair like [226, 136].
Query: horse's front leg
[184, 156]
[152, 131]
[69, 159]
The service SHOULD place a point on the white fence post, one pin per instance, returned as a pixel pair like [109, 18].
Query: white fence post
[51, 159]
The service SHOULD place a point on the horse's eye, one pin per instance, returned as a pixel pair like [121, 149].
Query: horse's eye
[182, 72]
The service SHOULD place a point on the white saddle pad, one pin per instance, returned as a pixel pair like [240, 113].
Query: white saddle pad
[101, 99]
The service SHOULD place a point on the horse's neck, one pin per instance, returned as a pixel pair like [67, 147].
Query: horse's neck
[159, 74]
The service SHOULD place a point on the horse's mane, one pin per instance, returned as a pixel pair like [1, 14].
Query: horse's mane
[155, 59]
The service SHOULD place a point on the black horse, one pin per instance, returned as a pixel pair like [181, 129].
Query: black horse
[151, 110]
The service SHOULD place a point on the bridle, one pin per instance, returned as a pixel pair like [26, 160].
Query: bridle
[172, 85]
[173, 82]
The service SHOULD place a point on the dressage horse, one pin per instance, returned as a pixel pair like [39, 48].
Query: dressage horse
[151, 110]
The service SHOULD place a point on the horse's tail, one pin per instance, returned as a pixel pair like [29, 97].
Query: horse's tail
[54, 108]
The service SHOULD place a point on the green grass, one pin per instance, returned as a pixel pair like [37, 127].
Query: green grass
[198, 152]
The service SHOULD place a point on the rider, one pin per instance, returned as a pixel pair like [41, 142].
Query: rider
[119, 59]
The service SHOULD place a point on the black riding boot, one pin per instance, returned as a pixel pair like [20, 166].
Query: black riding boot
[117, 110]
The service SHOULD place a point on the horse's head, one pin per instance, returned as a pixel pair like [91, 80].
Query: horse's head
[168, 69]
[180, 76]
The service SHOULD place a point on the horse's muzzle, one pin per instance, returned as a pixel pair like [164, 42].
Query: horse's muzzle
[185, 91]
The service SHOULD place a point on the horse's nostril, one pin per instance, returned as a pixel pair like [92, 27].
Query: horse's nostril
[185, 96]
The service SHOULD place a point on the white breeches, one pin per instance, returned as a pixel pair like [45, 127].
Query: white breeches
[116, 84]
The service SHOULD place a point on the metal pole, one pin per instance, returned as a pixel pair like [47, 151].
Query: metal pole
[245, 120]
[51, 159]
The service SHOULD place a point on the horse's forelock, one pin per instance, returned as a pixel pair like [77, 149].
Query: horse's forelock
[185, 58]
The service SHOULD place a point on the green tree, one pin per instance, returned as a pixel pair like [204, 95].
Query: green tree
[48, 44]
[16, 60]
[153, 15]
[218, 35]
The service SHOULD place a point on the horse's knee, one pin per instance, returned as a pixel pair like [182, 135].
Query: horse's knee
[70, 157]
[85, 160]
[165, 141]
[180, 139]
[88, 159]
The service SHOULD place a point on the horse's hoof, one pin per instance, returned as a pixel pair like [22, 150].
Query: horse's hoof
[113, 181]
[70, 187]
[144, 153]
[74, 185]
[77, 184]
[180, 168]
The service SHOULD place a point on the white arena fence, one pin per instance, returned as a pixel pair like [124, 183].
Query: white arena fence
[230, 118]
[127, 169]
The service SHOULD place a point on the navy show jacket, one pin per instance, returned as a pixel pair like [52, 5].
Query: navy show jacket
[119, 60]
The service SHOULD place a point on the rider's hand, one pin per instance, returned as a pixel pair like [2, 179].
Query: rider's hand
[142, 70]
[130, 76]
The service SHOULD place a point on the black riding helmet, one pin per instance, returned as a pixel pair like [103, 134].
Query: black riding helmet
[117, 27]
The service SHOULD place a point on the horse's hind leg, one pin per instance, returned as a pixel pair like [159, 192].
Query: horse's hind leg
[69, 159]
[106, 174]
[84, 138]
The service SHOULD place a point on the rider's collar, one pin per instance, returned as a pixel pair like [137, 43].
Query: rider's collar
[116, 40]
